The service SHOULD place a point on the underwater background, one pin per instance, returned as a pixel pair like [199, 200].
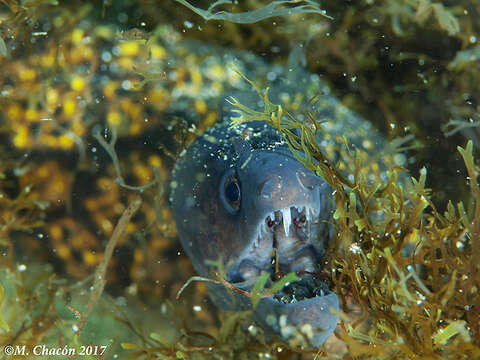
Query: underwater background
[98, 99]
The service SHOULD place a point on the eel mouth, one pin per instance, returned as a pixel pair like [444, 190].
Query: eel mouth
[286, 240]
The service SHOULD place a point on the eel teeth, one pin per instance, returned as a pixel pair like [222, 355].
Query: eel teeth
[316, 209]
[309, 214]
[287, 220]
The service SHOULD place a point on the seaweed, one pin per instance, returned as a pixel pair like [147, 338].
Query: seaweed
[420, 11]
[274, 8]
[408, 279]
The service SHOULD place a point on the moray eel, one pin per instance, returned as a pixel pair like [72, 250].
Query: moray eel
[240, 196]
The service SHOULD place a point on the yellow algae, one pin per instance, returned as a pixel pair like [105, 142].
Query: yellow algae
[196, 77]
[22, 138]
[129, 48]
[77, 35]
[32, 115]
[91, 258]
[110, 89]
[135, 128]
[150, 215]
[48, 60]
[138, 255]
[210, 119]
[63, 251]
[126, 63]
[216, 72]
[77, 83]
[200, 106]
[158, 52]
[56, 232]
[155, 161]
[143, 172]
[43, 172]
[49, 141]
[130, 228]
[91, 204]
[105, 184]
[106, 226]
[14, 112]
[132, 109]
[69, 107]
[52, 97]
[114, 118]
[78, 128]
[160, 99]
[27, 75]
[65, 141]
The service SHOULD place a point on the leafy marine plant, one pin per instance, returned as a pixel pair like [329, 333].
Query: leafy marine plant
[274, 8]
[406, 273]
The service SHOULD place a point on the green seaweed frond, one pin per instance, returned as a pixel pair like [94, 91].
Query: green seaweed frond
[420, 12]
[275, 8]
[3, 324]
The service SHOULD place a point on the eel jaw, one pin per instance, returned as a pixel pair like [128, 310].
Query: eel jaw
[286, 241]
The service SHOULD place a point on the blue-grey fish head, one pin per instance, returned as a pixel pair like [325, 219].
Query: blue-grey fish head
[284, 207]
[239, 195]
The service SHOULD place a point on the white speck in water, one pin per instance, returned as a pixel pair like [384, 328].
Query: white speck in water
[188, 24]
[399, 159]
[354, 248]
[22, 267]
[271, 76]
[197, 308]
[106, 56]
[126, 85]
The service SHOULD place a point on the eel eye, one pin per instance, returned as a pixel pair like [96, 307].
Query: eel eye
[230, 193]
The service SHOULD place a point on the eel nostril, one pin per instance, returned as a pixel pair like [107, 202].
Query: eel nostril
[308, 180]
[271, 187]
